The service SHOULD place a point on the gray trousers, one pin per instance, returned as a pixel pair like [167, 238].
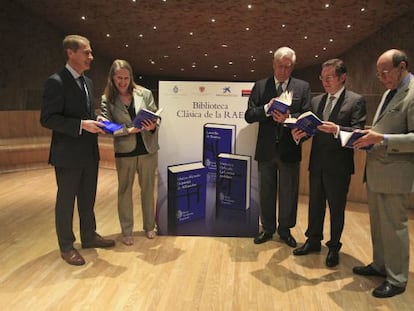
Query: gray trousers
[145, 166]
[389, 232]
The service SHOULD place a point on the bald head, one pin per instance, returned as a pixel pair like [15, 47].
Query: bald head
[392, 68]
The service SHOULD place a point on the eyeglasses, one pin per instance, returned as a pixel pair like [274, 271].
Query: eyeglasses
[327, 78]
[384, 73]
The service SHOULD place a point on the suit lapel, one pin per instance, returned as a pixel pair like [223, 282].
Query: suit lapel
[321, 106]
[396, 99]
[334, 114]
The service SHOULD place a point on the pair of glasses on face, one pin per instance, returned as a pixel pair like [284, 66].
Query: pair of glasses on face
[385, 73]
[327, 78]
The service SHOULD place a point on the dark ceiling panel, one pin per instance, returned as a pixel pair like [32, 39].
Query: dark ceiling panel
[178, 38]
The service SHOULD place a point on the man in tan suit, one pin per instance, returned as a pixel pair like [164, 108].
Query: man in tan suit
[390, 175]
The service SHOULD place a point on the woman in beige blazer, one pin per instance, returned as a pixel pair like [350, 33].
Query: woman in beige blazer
[135, 149]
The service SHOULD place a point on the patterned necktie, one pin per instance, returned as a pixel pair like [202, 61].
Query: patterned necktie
[328, 108]
[85, 90]
[279, 90]
[387, 100]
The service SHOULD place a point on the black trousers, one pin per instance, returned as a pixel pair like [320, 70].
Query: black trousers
[331, 187]
[79, 183]
[280, 180]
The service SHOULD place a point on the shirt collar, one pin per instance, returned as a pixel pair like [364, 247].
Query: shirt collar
[73, 72]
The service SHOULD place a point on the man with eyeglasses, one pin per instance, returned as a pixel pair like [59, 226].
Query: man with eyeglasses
[330, 165]
[390, 175]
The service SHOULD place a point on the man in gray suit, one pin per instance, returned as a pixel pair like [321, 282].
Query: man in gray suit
[277, 154]
[390, 175]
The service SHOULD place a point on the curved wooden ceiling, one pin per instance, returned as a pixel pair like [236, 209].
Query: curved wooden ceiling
[221, 39]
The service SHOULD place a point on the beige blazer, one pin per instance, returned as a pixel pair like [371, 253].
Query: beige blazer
[390, 168]
[118, 113]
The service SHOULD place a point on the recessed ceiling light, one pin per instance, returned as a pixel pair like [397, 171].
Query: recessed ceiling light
[305, 37]
[83, 17]
[235, 76]
[205, 54]
[108, 35]
[141, 35]
[126, 45]
[224, 46]
[331, 40]
[362, 9]
[154, 27]
[324, 48]
[249, 6]
[316, 56]
[247, 28]
[283, 25]
[166, 56]
[181, 69]
[215, 66]
[326, 5]
[178, 46]
[213, 20]
[348, 26]
[251, 70]
[194, 65]
[230, 63]
[270, 52]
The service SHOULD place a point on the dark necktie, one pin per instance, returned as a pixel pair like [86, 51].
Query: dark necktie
[85, 90]
[279, 90]
[387, 100]
[328, 108]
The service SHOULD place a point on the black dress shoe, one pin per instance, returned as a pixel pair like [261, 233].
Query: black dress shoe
[98, 242]
[386, 289]
[307, 248]
[332, 259]
[263, 237]
[367, 271]
[289, 240]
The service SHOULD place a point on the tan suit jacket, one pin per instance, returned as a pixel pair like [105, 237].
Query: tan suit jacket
[118, 113]
[390, 168]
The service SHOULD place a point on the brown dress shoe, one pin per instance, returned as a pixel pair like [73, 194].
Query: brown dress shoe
[98, 242]
[73, 257]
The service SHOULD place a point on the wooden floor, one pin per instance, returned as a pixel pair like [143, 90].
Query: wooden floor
[172, 273]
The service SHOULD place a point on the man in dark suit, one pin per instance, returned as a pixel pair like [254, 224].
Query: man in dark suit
[68, 111]
[277, 154]
[390, 175]
[331, 165]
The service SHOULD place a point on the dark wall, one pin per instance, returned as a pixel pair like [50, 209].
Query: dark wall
[32, 51]
[361, 61]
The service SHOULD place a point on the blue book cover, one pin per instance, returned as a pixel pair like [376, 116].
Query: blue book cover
[307, 122]
[348, 139]
[187, 188]
[233, 181]
[145, 114]
[282, 103]
[111, 127]
[217, 138]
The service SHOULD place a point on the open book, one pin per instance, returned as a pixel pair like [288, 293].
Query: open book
[281, 103]
[348, 139]
[145, 114]
[307, 122]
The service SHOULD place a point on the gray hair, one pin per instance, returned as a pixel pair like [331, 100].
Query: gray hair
[285, 52]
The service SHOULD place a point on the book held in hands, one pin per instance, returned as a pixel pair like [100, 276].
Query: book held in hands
[187, 189]
[145, 114]
[281, 103]
[111, 127]
[217, 138]
[233, 181]
[348, 139]
[307, 122]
